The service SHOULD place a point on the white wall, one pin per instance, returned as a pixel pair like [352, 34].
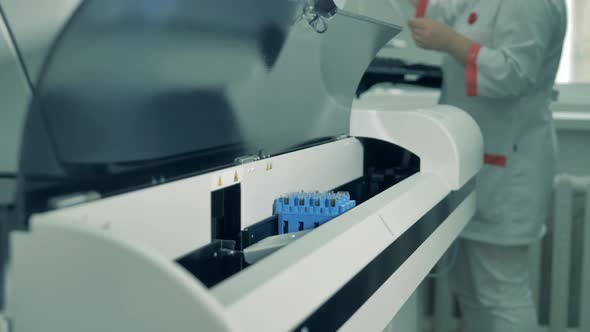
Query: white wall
[576, 56]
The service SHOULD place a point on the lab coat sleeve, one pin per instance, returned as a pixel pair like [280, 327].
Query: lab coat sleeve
[440, 10]
[512, 65]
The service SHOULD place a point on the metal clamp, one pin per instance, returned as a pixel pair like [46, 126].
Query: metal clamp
[325, 8]
[316, 13]
[315, 20]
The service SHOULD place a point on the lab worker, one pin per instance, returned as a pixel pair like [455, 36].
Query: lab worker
[500, 63]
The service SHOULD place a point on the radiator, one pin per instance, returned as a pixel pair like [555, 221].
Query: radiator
[567, 188]
[554, 264]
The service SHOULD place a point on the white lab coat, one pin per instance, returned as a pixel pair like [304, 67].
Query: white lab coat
[507, 86]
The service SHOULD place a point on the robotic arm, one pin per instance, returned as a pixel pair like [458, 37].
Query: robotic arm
[316, 12]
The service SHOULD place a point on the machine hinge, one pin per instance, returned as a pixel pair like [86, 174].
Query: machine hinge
[246, 159]
[61, 202]
[341, 137]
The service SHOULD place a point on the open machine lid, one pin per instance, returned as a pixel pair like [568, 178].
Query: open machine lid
[135, 92]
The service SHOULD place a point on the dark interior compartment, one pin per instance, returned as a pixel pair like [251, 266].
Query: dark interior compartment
[385, 165]
[385, 70]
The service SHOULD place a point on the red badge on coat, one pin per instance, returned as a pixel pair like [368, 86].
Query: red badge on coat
[472, 18]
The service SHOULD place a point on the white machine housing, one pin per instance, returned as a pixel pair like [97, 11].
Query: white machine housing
[111, 263]
[108, 252]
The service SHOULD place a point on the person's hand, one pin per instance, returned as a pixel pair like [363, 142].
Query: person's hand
[432, 35]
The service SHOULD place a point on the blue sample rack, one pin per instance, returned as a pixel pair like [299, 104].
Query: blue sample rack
[301, 211]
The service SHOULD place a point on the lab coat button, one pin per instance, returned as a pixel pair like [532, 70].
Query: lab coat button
[472, 18]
